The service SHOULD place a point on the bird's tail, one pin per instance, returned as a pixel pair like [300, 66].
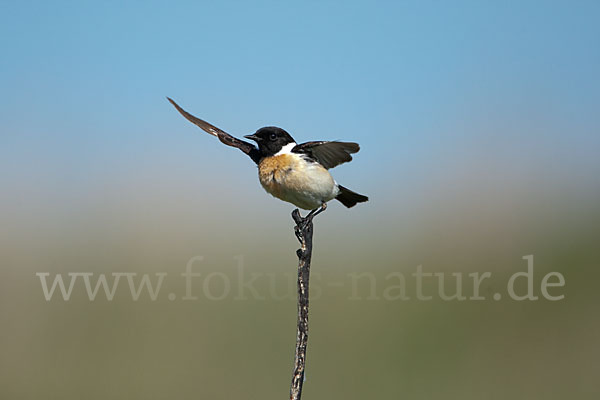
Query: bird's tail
[349, 198]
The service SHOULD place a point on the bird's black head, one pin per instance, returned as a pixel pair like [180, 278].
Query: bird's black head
[270, 140]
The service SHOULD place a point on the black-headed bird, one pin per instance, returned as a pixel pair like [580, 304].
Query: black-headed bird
[296, 173]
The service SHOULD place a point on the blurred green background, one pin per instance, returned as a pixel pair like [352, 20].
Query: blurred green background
[479, 132]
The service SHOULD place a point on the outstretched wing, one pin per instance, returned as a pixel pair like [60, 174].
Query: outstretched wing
[328, 154]
[223, 136]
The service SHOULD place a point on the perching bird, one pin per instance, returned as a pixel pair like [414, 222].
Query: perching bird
[296, 173]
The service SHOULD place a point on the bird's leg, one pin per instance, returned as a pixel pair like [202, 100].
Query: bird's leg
[301, 222]
[316, 211]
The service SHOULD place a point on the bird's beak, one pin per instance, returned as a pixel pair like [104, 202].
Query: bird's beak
[252, 137]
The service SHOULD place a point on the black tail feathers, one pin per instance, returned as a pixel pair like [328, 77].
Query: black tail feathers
[349, 198]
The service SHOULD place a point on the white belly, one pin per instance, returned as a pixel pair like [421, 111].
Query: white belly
[291, 178]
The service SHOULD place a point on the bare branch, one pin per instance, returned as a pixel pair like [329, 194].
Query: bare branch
[304, 233]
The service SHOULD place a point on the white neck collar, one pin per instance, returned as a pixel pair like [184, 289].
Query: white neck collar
[287, 149]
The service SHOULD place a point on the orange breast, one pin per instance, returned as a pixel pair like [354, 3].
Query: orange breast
[290, 178]
[272, 172]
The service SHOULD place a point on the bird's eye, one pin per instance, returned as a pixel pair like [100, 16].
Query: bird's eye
[273, 136]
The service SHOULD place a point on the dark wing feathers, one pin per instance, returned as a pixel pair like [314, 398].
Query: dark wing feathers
[328, 154]
[223, 136]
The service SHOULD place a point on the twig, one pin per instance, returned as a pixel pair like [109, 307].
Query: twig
[304, 233]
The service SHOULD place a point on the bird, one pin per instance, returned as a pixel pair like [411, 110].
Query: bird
[295, 173]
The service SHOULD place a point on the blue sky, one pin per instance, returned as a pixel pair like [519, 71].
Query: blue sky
[421, 85]
[480, 135]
